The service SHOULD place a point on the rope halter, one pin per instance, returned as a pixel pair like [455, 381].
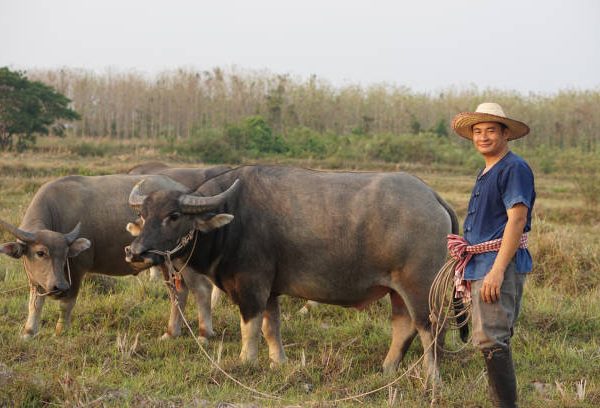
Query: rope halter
[174, 274]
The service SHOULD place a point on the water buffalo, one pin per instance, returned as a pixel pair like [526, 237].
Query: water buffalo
[81, 219]
[188, 176]
[334, 237]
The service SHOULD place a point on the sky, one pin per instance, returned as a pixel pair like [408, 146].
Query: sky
[531, 46]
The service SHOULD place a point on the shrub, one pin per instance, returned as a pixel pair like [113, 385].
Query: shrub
[211, 146]
[90, 149]
[304, 142]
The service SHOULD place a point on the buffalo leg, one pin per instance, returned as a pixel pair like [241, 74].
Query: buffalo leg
[431, 362]
[178, 297]
[66, 306]
[155, 273]
[252, 300]
[403, 332]
[215, 297]
[308, 306]
[416, 301]
[201, 288]
[250, 335]
[271, 331]
[32, 325]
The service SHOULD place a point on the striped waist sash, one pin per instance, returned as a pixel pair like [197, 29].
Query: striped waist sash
[462, 252]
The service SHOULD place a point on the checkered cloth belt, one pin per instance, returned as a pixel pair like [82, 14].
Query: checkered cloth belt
[462, 252]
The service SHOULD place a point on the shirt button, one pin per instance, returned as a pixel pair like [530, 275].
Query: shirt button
[476, 193]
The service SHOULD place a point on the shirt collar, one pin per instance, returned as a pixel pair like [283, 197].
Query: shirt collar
[496, 165]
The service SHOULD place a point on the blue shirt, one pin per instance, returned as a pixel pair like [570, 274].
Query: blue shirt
[508, 182]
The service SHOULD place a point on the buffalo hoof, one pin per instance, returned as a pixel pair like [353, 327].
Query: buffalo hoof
[28, 336]
[167, 336]
[207, 334]
[390, 370]
[434, 381]
[248, 360]
[59, 330]
[276, 364]
[307, 306]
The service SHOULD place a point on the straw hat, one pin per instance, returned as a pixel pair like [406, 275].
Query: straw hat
[487, 112]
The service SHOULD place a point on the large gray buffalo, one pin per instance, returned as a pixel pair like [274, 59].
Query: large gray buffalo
[339, 238]
[75, 225]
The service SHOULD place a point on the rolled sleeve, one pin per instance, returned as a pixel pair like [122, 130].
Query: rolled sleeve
[516, 185]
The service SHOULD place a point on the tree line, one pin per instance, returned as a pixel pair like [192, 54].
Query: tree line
[176, 104]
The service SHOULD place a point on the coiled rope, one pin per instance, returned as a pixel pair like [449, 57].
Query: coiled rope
[443, 306]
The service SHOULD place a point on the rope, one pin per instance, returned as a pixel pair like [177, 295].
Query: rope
[173, 272]
[13, 289]
[35, 287]
[174, 298]
[442, 304]
[217, 366]
[271, 396]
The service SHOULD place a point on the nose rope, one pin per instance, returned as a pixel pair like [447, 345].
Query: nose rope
[34, 287]
[174, 281]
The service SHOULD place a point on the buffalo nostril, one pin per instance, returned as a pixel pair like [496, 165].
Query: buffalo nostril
[60, 288]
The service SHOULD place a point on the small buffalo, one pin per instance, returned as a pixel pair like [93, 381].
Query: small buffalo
[75, 225]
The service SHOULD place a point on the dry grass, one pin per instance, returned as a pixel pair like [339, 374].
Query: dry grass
[112, 356]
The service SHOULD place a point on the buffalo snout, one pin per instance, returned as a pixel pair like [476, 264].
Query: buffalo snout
[141, 259]
[58, 290]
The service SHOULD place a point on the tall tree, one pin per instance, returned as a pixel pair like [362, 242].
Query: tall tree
[28, 108]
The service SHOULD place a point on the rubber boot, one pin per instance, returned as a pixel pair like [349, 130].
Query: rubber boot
[501, 376]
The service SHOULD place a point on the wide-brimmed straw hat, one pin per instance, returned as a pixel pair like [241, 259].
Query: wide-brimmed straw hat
[487, 112]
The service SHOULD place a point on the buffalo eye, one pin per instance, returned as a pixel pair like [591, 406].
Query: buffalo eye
[174, 216]
[40, 254]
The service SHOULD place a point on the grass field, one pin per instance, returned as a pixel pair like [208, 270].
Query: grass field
[112, 355]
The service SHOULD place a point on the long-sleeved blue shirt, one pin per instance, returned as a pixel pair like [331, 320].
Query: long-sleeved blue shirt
[508, 182]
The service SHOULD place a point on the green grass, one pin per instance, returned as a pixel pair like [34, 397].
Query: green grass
[333, 352]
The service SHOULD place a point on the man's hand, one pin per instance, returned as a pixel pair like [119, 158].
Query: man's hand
[490, 289]
[517, 217]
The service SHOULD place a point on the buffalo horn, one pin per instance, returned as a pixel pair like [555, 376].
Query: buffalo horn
[194, 204]
[20, 234]
[136, 198]
[73, 235]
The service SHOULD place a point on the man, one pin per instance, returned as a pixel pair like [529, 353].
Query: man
[495, 241]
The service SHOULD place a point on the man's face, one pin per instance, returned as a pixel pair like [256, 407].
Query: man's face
[489, 138]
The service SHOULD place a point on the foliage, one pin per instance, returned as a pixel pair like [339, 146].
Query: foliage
[211, 146]
[176, 103]
[303, 142]
[254, 134]
[28, 108]
[440, 129]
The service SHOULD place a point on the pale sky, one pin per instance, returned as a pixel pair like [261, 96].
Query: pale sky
[529, 46]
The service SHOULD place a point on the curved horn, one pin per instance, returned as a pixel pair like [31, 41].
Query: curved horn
[193, 204]
[73, 235]
[136, 198]
[19, 233]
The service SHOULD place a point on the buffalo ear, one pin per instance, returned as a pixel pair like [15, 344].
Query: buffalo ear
[213, 222]
[13, 249]
[79, 245]
[133, 228]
